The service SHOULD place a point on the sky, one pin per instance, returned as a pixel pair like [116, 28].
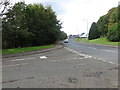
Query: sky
[77, 15]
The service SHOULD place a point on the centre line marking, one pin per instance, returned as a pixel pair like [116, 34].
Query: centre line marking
[73, 59]
[18, 59]
[87, 56]
[24, 59]
[108, 50]
[14, 65]
[92, 48]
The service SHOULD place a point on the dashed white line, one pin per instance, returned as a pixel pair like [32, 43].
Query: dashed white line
[87, 56]
[18, 59]
[59, 60]
[11, 65]
[30, 58]
[74, 58]
[14, 65]
[66, 59]
[92, 48]
[23, 59]
[107, 50]
[111, 62]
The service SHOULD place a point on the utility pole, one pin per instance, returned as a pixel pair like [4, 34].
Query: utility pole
[86, 21]
[87, 25]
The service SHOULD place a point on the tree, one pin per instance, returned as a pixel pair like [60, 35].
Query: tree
[45, 26]
[102, 25]
[3, 6]
[93, 33]
[15, 32]
[108, 24]
[30, 25]
[113, 33]
[113, 30]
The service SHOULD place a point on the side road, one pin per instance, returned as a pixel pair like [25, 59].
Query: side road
[31, 52]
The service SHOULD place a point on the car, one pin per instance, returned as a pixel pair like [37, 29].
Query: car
[66, 41]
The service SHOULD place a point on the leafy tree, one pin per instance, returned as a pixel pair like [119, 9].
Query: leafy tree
[108, 24]
[30, 25]
[4, 6]
[15, 33]
[102, 25]
[93, 33]
[63, 35]
[45, 27]
[113, 33]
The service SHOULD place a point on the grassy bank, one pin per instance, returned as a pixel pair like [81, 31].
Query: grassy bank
[102, 40]
[26, 49]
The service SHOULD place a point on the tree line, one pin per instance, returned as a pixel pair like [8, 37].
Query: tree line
[107, 26]
[30, 25]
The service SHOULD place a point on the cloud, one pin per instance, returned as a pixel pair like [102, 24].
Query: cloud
[57, 5]
[77, 15]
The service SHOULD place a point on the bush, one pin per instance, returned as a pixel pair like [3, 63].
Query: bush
[113, 33]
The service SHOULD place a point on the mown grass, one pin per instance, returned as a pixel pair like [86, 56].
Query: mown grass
[102, 40]
[26, 49]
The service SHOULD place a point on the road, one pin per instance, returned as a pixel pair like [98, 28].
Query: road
[69, 67]
[107, 54]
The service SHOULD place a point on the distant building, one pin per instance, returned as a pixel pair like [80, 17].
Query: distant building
[83, 35]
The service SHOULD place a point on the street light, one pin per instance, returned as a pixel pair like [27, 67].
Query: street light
[86, 23]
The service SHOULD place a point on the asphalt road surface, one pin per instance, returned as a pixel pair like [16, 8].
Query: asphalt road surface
[106, 53]
[73, 66]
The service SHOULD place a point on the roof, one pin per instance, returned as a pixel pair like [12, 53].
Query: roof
[84, 35]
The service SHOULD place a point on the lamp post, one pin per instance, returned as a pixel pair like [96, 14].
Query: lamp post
[86, 20]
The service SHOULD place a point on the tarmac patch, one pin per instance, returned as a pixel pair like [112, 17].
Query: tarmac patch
[72, 80]
[95, 74]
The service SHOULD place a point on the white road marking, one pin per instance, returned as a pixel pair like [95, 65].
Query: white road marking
[92, 48]
[107, 50]
[43, 57]
[59, 60]
[14, 65]
[66, 59]
[23, 59]
[99, 59]
[102, 49]
[90, 56]
[11, 65]
[104, 60]
[30, 58]
[74, 58]
[87, 56]
[111, 62]
[18, 59]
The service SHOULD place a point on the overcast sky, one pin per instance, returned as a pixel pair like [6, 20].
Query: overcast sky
[77, 15]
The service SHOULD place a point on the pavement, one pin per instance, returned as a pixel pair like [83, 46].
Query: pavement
[61, 67]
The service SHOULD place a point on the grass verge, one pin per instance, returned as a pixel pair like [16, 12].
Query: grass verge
[102, 40]
[26, 49]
